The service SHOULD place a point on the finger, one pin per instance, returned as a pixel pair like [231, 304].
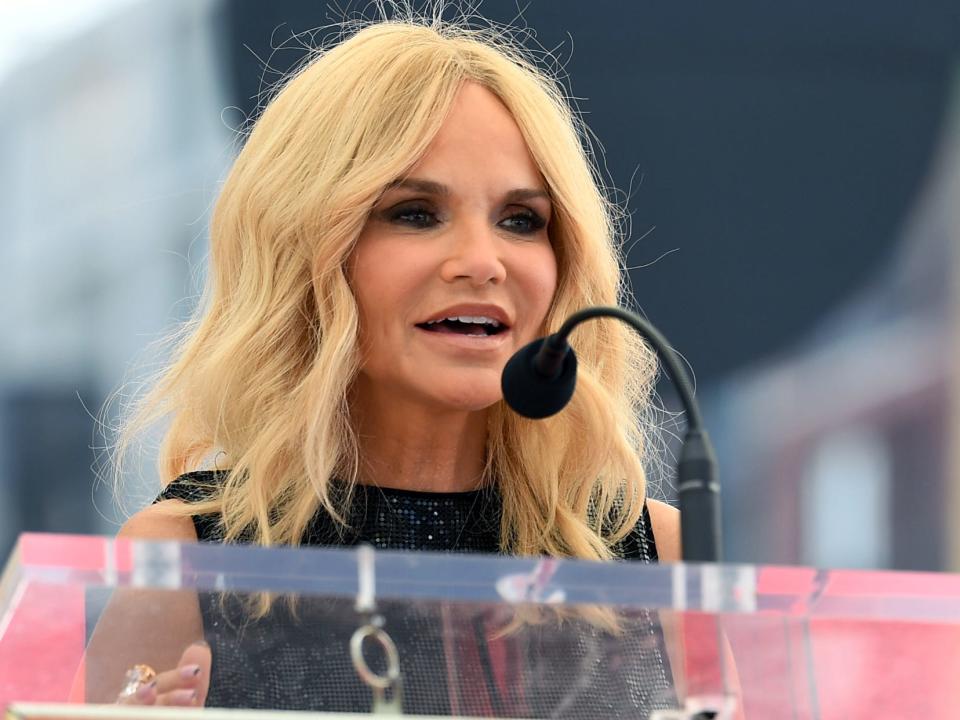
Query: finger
[193, 667]
[198, 655]
[187, 684]
[183, 677]
[192, 672]
[179, 686]
[144, 695]
[182, 697]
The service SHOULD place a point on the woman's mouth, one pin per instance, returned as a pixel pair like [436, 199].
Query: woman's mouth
[476, 325]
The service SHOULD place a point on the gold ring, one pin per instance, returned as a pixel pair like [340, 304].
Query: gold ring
[136, 678]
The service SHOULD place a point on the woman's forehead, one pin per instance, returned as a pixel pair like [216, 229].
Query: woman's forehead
[478, 140]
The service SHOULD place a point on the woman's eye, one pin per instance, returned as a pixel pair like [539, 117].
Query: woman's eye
[524, 223]
[418, 217]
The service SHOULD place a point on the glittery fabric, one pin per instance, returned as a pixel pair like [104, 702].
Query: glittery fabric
[456, 658]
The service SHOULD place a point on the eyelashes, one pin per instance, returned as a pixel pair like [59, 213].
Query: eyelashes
[525, 222]
[415, 216]
[521, 221]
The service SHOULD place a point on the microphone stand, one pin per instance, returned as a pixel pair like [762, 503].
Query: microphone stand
[697, 485]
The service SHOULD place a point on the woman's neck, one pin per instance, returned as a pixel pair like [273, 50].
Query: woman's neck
[410, 446]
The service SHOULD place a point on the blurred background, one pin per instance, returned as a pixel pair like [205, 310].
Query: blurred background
[792, 172]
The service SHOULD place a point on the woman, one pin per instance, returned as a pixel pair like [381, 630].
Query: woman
[413, 207]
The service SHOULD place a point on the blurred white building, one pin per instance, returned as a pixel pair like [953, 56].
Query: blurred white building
[112, 145]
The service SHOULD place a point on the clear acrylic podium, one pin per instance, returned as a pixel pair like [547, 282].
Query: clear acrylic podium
[474, 636]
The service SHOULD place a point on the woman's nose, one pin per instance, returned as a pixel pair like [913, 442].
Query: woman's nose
[474, 256]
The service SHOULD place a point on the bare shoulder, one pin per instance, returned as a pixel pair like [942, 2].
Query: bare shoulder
[665, 522]
[157, 522]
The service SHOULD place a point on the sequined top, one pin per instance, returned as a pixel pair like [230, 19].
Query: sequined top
[462, 658]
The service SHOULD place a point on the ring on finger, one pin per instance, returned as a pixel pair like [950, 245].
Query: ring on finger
[136, 678]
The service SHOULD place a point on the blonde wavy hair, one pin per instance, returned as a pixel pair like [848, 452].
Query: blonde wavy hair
[263, 374]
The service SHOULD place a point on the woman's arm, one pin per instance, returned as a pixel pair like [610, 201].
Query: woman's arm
[665, 521]
[159, 628]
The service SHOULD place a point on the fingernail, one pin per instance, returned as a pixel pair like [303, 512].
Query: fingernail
[201, 643]
[183, 697]
[189, 671]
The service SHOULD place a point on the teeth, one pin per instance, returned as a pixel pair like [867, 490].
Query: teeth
[472, 320]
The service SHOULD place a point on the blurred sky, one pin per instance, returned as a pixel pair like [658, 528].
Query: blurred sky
[28, 28]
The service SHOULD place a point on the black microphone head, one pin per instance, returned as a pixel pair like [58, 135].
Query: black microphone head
[528, 392]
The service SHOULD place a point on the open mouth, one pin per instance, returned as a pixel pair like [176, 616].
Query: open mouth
[464, 325]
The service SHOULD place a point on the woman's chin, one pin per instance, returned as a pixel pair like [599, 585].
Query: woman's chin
[467, 399]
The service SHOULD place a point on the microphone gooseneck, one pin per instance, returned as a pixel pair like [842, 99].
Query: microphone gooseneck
[539, 380]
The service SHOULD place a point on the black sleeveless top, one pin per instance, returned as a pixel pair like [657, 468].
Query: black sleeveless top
[462, 658]
[392, 519]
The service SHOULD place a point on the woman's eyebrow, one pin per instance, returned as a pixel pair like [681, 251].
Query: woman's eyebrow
[521, 194]
[431, 187]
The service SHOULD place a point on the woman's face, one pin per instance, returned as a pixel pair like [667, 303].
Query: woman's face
[454, 270]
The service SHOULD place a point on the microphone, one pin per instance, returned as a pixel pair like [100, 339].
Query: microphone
[539, 380]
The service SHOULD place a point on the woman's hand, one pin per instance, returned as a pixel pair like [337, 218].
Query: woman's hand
[187, 684]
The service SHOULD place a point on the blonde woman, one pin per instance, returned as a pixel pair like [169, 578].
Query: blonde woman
[414, 206]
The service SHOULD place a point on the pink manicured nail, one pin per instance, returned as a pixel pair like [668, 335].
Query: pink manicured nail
[189, 671]
[183, 697]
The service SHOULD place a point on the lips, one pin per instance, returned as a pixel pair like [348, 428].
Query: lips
[463, 327]
[477, 312]
[468, 320]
